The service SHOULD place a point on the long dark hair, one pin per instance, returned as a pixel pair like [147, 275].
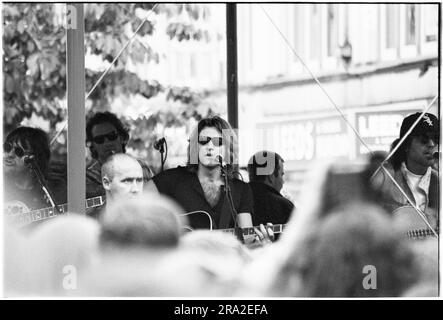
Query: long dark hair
[230, 142]
[401, 154]
[35, 140]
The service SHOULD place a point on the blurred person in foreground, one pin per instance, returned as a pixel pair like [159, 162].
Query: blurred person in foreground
[136, 236]
[105, 135]
[353, 252]
[15, 260]
[266, 170]
[22, 190]
[426, 258]
[53, 256]
[216, 258]
[411, 166]
[330, 187]
[122, 177]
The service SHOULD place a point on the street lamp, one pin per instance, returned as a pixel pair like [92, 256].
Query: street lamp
[346, 53]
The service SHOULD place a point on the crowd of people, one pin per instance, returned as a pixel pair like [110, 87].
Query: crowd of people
[199, 230]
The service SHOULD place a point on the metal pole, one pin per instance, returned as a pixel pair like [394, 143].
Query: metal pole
[75, 83]
[232, 76]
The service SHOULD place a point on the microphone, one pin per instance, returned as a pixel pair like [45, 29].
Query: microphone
[158, 144]
[221, 161]
[28, 159]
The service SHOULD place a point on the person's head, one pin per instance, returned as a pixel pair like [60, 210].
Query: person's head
[417, 151]
[148, 221]
[25, 141]
[355, 251]
[57, 252]
[267, 167]
[221, 244]
[106, 135]
[211, 138]
[122, 176]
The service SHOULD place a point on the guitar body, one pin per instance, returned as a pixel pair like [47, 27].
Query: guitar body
[409, 221]
[15, 207]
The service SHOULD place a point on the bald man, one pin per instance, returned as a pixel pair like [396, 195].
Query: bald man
[122, 177]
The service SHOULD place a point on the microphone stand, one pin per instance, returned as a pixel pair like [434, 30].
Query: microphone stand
[41, 180]
[237, 230]
[160, 146]
[162, 150]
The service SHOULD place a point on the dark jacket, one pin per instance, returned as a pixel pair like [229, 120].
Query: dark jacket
[269, 205]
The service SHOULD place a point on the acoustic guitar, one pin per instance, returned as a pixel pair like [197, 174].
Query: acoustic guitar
[244, 222]
[408, 220]
[19, 215]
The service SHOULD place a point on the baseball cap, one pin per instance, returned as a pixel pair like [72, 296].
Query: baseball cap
[428, 126]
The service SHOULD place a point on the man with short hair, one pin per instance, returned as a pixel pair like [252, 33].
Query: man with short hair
[105, 135]
[122, 177]
[266, 172]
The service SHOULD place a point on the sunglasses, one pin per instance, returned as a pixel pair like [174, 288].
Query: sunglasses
[216, 141]
[424, 138]
[101, 139]
[19, 151]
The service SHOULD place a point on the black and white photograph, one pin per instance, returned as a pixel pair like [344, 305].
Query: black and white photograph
[249, 151]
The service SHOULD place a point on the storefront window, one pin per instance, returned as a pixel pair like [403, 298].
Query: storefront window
[332, 38]
[391, 26]
[314, 46]
[411, 36]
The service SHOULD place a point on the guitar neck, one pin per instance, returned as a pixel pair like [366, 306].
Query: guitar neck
[276, 228]
[46, 213]
[421, 233]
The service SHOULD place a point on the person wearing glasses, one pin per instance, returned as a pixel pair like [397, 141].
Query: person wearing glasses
[105, 135]
[22, 190]
[411, 166]
[199, 186]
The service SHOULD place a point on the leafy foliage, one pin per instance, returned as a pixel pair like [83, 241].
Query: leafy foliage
[34, 63]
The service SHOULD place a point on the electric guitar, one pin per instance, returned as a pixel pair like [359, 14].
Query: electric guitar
[19, 215]
[409, 221]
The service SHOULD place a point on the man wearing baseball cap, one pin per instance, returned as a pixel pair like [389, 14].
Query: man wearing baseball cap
[411, 166]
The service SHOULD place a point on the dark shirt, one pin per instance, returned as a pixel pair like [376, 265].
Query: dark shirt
[18, 201]
[269, 205]
[183, 185]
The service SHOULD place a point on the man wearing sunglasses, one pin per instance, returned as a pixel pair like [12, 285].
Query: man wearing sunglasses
[411, 166]
[105, 135]
[22, 190]
[199, 185]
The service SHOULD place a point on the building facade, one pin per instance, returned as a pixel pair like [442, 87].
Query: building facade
[375, 63]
